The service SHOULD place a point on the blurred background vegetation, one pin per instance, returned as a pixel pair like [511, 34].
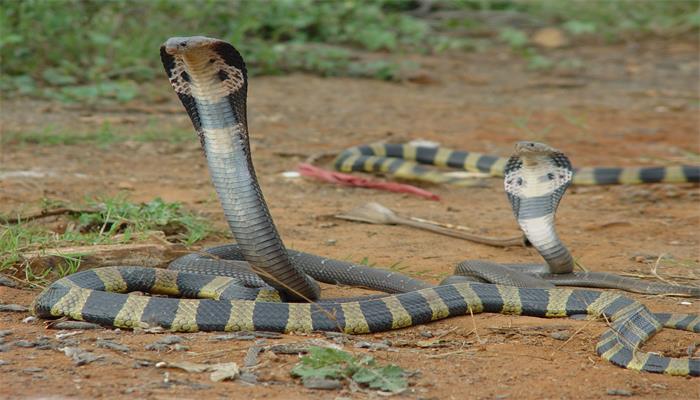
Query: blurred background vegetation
[81, 50]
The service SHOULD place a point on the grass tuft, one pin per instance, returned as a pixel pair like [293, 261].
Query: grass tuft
[111, 220]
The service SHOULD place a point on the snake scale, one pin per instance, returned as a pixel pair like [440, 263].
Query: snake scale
[408, 161]
[210, 78]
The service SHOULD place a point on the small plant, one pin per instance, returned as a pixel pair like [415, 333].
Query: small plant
[98, 222]
[328, 363]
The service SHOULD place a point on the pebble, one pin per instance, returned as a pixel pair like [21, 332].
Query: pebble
[371, 345]
[171, 339]
[30, 319]
[4, 348]
[5, 332]
[251, 357]
[5, 281]
[108, 344]
[290, 348]
[142, 363]
[43, 343]
[24, 343]
[560, 335]
[164, 343]
[426, 334]
[619, 392]
[32, 370]
[322, 383]
[181, 347]
[157, 347]
[80, 356]
[13, 308]
[70, 325]
[248, 377]
[3, 362]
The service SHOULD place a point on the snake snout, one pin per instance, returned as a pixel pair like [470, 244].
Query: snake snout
[527, 147]
[181, 45]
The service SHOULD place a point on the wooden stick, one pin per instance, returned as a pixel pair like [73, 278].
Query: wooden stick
[375, 213]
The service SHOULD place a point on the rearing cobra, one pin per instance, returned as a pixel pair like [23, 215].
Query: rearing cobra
[210, 78]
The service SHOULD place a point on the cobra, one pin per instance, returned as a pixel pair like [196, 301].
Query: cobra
[210, 78]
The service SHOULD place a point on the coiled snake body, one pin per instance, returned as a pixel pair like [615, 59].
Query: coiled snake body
[210, 78]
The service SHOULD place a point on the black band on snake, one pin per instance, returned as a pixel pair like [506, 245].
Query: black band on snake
[223, 293]
[409, 162]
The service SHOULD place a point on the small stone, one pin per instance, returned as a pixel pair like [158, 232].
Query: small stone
[157, 347]
[32, 370]
[619, 392]
[659, 386]
[331, 242]
[181, 347]
[3, 362]
[80, 356]
[248, 377]
[24, 343]
[224, 372]
[65, 335]
[426, 334]
[142, 363]
[171, 339]
[5, 281]
[560, 335]
[13, 308]
[30, 319]
[322, 383]
[236, 336]
[108, 344]
[71, 325]
[5, 332]
[4, 348]
[371, 345]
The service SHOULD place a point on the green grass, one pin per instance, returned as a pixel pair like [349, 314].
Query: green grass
[94, 49]
[99, 224]
[83, 50]
[102, 137]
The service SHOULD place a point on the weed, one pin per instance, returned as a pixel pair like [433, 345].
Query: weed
[100, 49]
[103, 137]
[112, 216]
[329, 363]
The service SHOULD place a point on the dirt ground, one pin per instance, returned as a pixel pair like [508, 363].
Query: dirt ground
[628, 104]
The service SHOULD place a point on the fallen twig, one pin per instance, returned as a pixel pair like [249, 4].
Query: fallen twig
[375, 213]
[47, 213]
[146, 254]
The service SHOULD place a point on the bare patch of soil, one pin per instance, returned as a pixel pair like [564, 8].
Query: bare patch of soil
[632, 104]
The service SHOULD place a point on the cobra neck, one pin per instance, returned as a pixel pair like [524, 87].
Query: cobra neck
[225, 139]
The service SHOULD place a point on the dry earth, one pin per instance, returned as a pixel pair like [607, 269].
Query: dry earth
[631, 104]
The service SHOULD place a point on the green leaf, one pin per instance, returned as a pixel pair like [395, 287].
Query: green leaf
[389, 378]
[337, 364]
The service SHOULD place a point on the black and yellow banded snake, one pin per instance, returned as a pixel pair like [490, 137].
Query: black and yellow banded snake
[210, 78]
